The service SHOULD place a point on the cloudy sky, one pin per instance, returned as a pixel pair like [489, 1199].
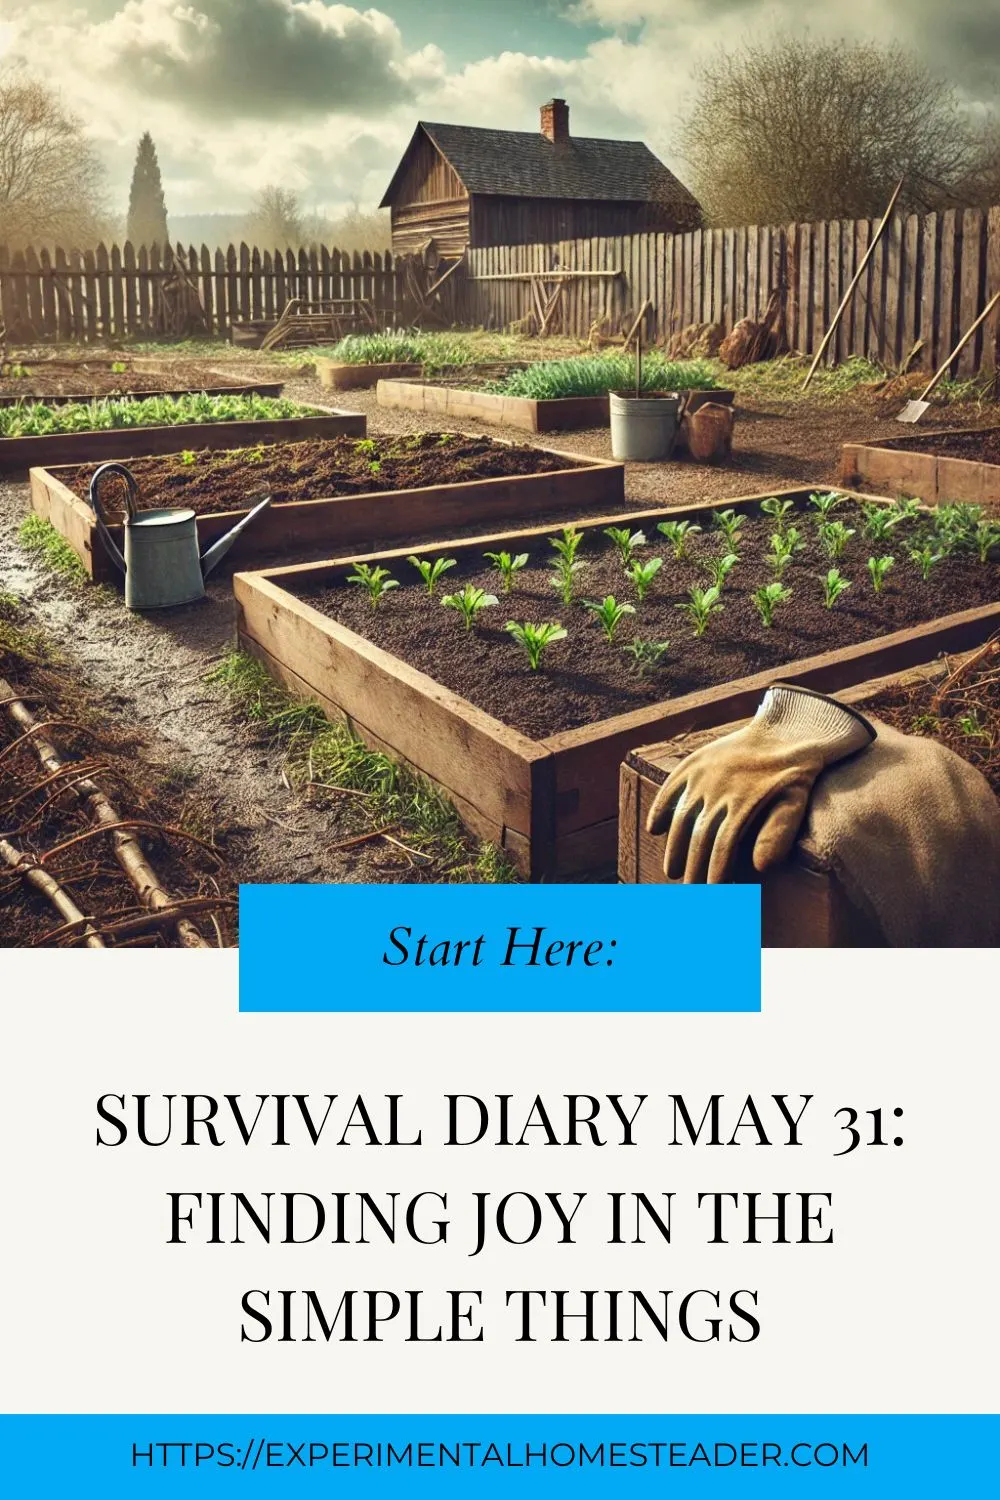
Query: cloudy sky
[322, 97]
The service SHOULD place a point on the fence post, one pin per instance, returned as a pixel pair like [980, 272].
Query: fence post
[991, 328]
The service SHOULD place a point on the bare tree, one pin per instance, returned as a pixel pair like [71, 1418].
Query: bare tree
[783, 129]
[275, 218]
[51, 177]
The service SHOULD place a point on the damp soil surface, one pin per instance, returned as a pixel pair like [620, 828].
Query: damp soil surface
[980, 447]
[90, 378]
[211, 481]
[584, 679]
[966, 717]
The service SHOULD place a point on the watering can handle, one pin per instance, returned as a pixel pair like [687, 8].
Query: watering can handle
[131, 496]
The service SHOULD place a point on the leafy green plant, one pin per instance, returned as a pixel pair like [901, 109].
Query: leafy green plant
[642, 575]
[534, 638]
[609, 613]
[925, 558]
[115, 413]
[564, 577]
[835, 536]
[731, 524]
[118, 368]
[701, 605]
[568, 543]
[678, 533]
[879, 521]
[469, 603]
[784, 546]
[987, 536]
[508, 565]
[955, 527]
[719, 568]
[825, 503]
[186, 457]
[972, 726]
[834, 584]
[778, 511]
[626, 541]
[905, 508]
[879, 568]
[767, 599]
[431, 572]
[646, 655]
[596, 375]
[375, 581]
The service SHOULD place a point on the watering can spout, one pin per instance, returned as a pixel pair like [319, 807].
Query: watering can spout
[218, 549]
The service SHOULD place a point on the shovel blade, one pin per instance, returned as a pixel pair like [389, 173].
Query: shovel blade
[913, 411]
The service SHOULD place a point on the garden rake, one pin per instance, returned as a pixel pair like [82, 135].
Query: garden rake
[914, 410]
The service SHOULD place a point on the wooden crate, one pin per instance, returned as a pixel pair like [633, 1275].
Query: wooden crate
[552, 804]
[143, 442]
[803, 904]
[353, 521]
[902, 466]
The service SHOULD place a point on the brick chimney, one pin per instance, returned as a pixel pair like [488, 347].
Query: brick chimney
[555, 121]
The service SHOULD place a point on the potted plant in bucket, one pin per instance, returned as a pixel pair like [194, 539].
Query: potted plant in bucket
[643, 423]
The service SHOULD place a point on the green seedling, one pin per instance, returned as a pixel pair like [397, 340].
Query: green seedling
[925, 558]
[825, 503]
[568, 544]
[879, 568]
[767, 599]
[564, 577]
[376, 581]
[118, 369]
[778, 511]
[469, 603]
[731, 525]
[678, 533]
[187, 457]
[834, 584]
[972, 726]
[905, 508]
[534, 638]
[366, 447]
[701, 605]
[646, 655]
[719, 568]
[835, 536]
[642, 575]
[431, 572]
[784, 546]
[507, 565]
[955, 527]
[987, 536]
[626, 541]
[879, 521]
[609, 613]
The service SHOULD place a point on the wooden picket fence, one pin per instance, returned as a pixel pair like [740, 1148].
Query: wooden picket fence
[928, 279]
[123, 292]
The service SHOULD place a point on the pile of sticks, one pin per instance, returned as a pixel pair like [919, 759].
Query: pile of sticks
[103, 838]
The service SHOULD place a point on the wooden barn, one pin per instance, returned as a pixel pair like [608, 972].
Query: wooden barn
[459, 185]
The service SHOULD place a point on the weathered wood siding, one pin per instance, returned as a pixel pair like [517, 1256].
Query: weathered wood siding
[429, 202]
[528, 221]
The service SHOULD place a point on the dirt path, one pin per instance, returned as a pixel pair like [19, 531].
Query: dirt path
[150, 671]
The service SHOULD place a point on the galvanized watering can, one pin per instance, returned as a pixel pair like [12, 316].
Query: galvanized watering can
[161, 562]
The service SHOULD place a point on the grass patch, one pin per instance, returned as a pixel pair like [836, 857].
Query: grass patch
[41, 538]
[781, 379]
[327, 759]
[599, 374]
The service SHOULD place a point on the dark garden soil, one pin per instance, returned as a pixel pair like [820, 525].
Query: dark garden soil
[584, 679]
[967, 719]
[212, 481]
[186, 855]
[980, 447]
[95, 377]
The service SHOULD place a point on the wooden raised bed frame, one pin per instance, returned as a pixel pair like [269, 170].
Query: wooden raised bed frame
[803, 904]
[352, 521]
[560, 414]
[899, 465]
[339, 376]
[59, 448]
[551, 804]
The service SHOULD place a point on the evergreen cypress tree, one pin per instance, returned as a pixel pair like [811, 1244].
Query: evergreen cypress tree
[147, 212]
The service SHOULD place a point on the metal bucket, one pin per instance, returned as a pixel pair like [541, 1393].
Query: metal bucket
[643, 428]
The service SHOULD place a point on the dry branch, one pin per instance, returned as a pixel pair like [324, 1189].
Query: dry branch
[29, 870]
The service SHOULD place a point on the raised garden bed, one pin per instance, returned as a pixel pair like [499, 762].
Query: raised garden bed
[335, 494]
[803, 904]
[456, 403]
[531, 760]
[98, 445]
[78, 381]
[352, 377]
[937, 467]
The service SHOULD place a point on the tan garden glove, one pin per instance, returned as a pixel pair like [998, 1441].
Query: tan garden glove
[754, 782]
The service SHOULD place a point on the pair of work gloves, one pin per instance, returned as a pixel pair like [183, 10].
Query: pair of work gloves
[751, 788]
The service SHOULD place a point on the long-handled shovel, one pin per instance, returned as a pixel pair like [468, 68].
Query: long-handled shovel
[914, 410]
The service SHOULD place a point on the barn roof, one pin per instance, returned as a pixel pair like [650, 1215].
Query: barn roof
[524, 164]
